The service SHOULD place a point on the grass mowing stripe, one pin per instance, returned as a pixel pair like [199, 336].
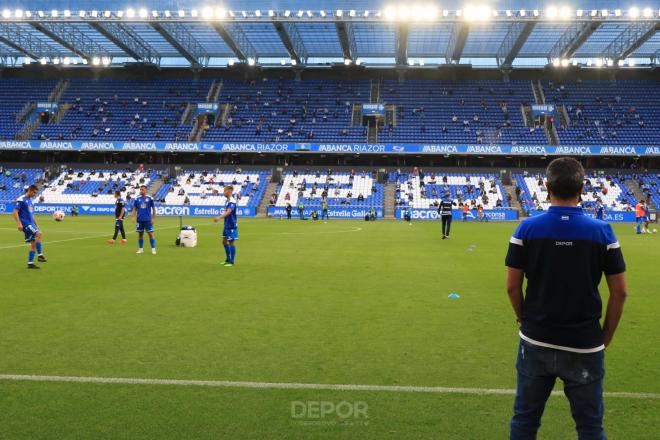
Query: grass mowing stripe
[285, 385]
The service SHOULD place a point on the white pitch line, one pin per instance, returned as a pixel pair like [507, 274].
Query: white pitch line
[353, 229]
[107, 234]
[294, 386]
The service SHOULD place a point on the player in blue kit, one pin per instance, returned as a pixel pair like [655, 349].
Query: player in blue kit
[144, 214]
[230, 230]
[23, 215]
[600, 210]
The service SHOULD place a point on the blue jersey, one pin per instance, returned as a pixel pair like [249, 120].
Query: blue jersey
[231, 221]
[144, 206]
[600, 212]
[646, 211]
[25, 210]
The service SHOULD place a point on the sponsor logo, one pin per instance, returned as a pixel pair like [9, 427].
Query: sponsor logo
[207, 106]
[484, 149]
[185, 146]
[618, 150]
[332, 213]
[97, 146]
[208, 147]
[398, 148]
[649, 150]
[173, 210]
[139, 146]
[529, 149]
[254, 148]
[15, 145]
[572, 150]
[55, 145]
[563, 243]
[355, 148]
[439, 149]
[432, 214]
[543, 108]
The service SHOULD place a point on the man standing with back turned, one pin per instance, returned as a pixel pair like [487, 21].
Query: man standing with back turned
[445, 211]
[563, 255]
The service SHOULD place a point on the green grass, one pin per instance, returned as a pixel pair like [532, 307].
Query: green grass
[308, 302]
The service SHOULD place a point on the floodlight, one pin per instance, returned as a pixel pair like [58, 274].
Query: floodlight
[67, 13]
[257, 13]
[96, 61]
[54, 13]
[556, 62]
[43, 61]
[564, 63]
[6, 13]
[347, 61]
[340, 13]
[130, 13]
[143, 13]
[351, 13]
[390, 13]
[648, 12]
[551, 12]
[293, 62]
[194, 13]
[106, 61]
[271, 13]
[251, 61]
[620, 63]
[182, 13]
[631, 63]
[231, 61]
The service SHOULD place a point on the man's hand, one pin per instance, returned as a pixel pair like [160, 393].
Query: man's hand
[217, 219]
[20, 227]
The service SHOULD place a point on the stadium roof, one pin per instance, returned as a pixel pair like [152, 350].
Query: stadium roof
[397, 35]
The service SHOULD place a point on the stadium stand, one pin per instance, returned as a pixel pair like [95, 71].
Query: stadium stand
[421, 191]
[443, 112]
[611, 190]
[14, 180]
[650, 186]
[75, 187]
[340, 189]
[15, 95]
[607, 113]
[447, 112]
[137, 110]
[205, 188]
[290, 111]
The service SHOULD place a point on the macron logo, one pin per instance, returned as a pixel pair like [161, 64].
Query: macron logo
[563, 243]
[565, 218]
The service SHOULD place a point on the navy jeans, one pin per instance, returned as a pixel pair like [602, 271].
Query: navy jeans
[582, 374]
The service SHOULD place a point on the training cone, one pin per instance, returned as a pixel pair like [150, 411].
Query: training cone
[454, 295]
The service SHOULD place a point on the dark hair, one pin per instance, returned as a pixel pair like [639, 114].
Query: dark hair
[229, 187]
[117, 193]
[143, 186]
[32, 188]
[565, 178]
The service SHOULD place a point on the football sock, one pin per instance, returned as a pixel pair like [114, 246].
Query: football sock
[38, 245]
[31, 257]
[141, 243]
[232, 252]
[152, 242]
[227, 252]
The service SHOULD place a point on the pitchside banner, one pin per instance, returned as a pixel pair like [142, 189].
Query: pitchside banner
[610, 217]
[358, 213]
[511, 150]
[432, 214]
[162, 210]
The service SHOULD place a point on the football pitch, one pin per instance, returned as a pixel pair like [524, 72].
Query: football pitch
[252, 351]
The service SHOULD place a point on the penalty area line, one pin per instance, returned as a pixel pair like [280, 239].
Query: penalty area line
[294, 386]
[89, 237]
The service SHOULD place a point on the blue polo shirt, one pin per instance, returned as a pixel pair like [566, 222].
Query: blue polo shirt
[564, 255]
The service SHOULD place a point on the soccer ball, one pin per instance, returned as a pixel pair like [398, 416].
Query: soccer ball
[655, 231]
[58, 216]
